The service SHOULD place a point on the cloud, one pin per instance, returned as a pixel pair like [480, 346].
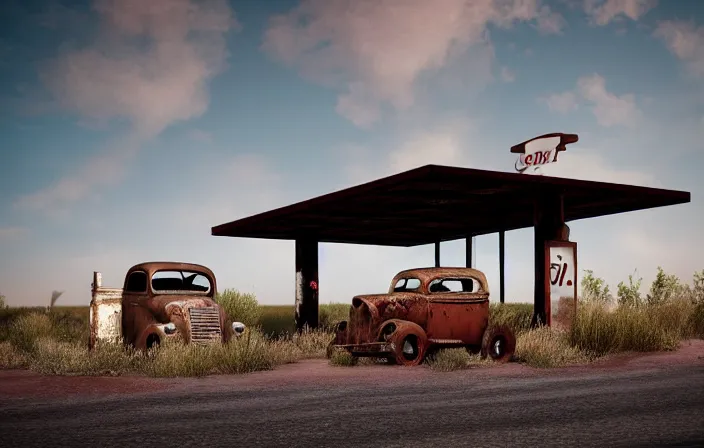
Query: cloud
[608, 108]
[152, 85]
[549, 22]
[561, 102]
[604, 12]
[685, 41]
[149, 65]
[376, 51]
[102, 169]
[507, 75]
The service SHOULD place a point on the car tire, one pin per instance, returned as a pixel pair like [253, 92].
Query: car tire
[410, 344]
[498, 344]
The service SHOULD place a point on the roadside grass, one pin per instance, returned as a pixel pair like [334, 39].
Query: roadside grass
[54, 341]
[546, 347]
[451, 359]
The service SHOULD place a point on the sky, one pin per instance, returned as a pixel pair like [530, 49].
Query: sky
[130, 128]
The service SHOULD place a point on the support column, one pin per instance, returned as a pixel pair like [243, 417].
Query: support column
[437, 254]
[468, 251]
[549, 217]
[306, 284]
[502, 265]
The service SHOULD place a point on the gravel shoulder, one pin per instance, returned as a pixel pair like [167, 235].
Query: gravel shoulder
[20, 385]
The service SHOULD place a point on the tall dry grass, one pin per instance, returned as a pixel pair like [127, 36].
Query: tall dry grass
[55, 341]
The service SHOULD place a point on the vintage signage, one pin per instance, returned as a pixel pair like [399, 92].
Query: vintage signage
[561, 281]
[541, 150]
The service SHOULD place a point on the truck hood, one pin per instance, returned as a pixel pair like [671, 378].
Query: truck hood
[399, 305]
[166, 307]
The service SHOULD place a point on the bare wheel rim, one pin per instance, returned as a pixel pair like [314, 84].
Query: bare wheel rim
[410, 348]
[498, 347]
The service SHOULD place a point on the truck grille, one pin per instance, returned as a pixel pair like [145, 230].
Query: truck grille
[205, 325]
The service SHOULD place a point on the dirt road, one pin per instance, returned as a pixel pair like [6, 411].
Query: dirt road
[650, 400]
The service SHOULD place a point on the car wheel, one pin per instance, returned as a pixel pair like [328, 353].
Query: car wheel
[410, 344]
[498, 344]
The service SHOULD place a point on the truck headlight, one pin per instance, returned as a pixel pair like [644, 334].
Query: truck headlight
[238, 328]
[169, 328]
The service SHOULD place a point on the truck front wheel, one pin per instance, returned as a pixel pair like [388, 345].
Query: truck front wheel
[409, 344]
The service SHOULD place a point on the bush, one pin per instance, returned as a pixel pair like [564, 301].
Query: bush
[664, 288]
[12, 358]
[546, 347]
[240, 307]
[629, 295]
[595, 290]
[3, 305]
[27, 329]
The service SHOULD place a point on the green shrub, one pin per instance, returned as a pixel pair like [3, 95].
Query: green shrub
[240, 307]
[629, 295]
[664, 288]
[595, 290]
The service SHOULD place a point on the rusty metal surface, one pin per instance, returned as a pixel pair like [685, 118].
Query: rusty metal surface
[105, 313]
[434, 318]
[146, 317]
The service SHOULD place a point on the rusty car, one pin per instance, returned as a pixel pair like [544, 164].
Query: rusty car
[425, 309]
[160, 301]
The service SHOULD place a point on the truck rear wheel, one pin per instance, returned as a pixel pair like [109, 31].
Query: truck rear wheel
[498, 343]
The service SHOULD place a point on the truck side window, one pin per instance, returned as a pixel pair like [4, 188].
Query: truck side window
[137, 282]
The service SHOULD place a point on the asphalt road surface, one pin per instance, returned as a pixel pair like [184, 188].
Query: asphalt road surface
[378, 407]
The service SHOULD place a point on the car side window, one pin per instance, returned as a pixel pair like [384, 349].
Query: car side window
[464, 285]
[136, 282]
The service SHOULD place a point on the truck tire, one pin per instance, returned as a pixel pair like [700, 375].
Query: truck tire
[498, 343]
[410, 344]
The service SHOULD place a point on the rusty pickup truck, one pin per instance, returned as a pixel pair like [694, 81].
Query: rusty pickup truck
[425, 309]
[159, 301]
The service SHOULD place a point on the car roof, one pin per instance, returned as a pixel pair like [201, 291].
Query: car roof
[428, 274]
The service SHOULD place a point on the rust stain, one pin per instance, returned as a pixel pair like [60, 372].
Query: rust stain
[423, 313]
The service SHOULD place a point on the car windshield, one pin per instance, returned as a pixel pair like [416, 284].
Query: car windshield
[407, 285]
[175, 281]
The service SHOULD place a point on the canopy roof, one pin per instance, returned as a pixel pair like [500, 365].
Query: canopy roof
[440, 203]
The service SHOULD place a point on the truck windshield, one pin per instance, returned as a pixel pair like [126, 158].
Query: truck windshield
[166, 282]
